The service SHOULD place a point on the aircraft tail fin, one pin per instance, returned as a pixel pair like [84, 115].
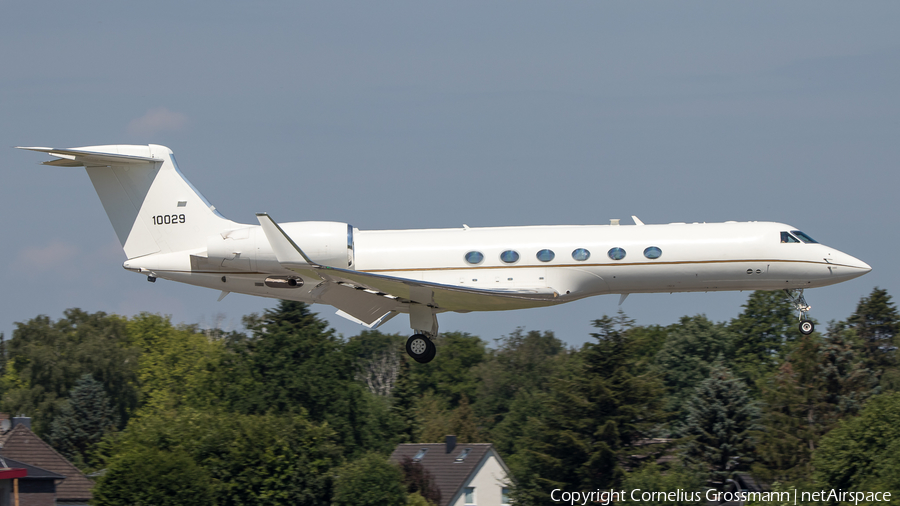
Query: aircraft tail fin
[151, 205]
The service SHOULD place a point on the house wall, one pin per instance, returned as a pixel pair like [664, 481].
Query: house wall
[488, 481]
[31, 493]
[42, 499]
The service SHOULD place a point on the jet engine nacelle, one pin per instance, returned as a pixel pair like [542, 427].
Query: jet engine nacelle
[324, 242]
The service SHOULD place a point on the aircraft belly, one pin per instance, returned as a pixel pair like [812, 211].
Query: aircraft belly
[241, 283]
[485, 279]
[692, 276]
[581, 282]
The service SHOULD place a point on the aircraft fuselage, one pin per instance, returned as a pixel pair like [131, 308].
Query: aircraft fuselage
[691, 257]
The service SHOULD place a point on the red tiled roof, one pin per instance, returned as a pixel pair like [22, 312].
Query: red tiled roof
[23, 445]
[449, 475]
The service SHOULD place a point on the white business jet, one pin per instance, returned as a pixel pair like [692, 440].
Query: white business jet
[169, 231]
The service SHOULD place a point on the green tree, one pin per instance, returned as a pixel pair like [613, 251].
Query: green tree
[686, 358]
[863, 452]
[795, 415]
[595, 413]
[449, 375]
[720, 423]
[175, 362]
[378, 359]
[846, 380]
[762, 333]
[877, 325]
[463, 423]
[83, 421]
[293, 363]
[369, 481]
[46, 358]
[822, 381]
[654, 478]
[154, 477]
[522, 361]
[416, 499]
[404, 399]
[436, 420]
[246, 459]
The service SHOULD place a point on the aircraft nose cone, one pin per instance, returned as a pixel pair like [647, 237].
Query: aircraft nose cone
[859, 264]
[856, 266]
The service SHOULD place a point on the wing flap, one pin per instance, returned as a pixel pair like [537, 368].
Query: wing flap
[362, 305]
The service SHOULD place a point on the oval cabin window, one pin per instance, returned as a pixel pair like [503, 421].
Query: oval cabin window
[581, 254]
[509, 256]
[474, 257]
[545, 255]
[617, 253]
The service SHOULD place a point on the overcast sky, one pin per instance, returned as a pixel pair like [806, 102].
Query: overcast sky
[428, 114]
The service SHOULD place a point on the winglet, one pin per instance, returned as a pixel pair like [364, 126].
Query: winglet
[286, 251]
[637, 221]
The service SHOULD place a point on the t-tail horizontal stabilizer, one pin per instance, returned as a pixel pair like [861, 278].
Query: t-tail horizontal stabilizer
[80, 157]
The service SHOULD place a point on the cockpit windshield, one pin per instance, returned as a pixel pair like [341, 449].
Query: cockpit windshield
[803, 237]
[786, 237]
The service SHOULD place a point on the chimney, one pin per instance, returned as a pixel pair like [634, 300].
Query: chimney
[23, 420]
[451, 443]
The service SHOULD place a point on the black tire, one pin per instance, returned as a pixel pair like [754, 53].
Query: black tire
[420, 348]
[807, 327]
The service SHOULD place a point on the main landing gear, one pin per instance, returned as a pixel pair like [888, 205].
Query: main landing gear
[424, 323]
[806, 325]
[421, 348]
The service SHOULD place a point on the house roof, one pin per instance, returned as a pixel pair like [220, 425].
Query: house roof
[23, 445]
[34, 472]
[449, 475]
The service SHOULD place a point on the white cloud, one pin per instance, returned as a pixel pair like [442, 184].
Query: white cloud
[58, 256]
[157, 120]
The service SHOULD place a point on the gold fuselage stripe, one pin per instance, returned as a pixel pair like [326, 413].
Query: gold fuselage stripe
[617, 264]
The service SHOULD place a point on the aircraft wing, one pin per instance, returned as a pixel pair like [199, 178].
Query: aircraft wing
[440, 296]
[402, 290]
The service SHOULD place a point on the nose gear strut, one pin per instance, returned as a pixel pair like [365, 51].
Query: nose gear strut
[806, 325]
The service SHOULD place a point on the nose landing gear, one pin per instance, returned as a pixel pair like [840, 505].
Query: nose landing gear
[806, 325]
[421, 348]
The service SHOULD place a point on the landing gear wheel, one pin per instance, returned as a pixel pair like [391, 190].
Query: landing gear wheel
[807, 327]
[420, 348]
